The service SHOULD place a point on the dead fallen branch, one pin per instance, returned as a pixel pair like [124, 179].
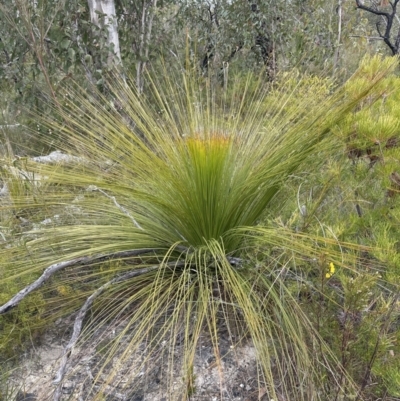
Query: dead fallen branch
[120, 207]
[58, 157]
[79, 321]
[54, 268]
[82, 313]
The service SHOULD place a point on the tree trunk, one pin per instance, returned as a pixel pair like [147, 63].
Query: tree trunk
[339, 11]
[106, 10]
[146, 26]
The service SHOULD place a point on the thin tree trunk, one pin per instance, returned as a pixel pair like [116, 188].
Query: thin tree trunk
[149, 29]
[146, 27]
[107, 9]
[139, 63]
[339, 35]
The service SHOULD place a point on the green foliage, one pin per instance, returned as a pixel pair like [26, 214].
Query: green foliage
[355, 199]
[43, 43]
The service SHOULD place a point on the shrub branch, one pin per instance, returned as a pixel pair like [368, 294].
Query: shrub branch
[389, 18]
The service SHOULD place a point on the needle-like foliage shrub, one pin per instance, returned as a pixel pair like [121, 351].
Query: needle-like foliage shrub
[156, 219]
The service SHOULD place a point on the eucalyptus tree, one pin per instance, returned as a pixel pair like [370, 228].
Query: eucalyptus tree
[58, 39]
[43, 43]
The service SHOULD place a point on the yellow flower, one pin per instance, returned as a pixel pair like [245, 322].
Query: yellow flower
[331, 271]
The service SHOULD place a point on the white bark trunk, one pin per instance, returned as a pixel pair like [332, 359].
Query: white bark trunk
[107, 8]
[146, 27]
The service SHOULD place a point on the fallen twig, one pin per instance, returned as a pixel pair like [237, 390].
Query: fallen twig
[120, 207]
[79, 321]
[8, 126]
[82, 313]
[49, 271]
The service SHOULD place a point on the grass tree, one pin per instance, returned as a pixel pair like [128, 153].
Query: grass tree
[156, 220]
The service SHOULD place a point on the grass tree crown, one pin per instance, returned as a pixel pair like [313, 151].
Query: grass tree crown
[165, 195]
